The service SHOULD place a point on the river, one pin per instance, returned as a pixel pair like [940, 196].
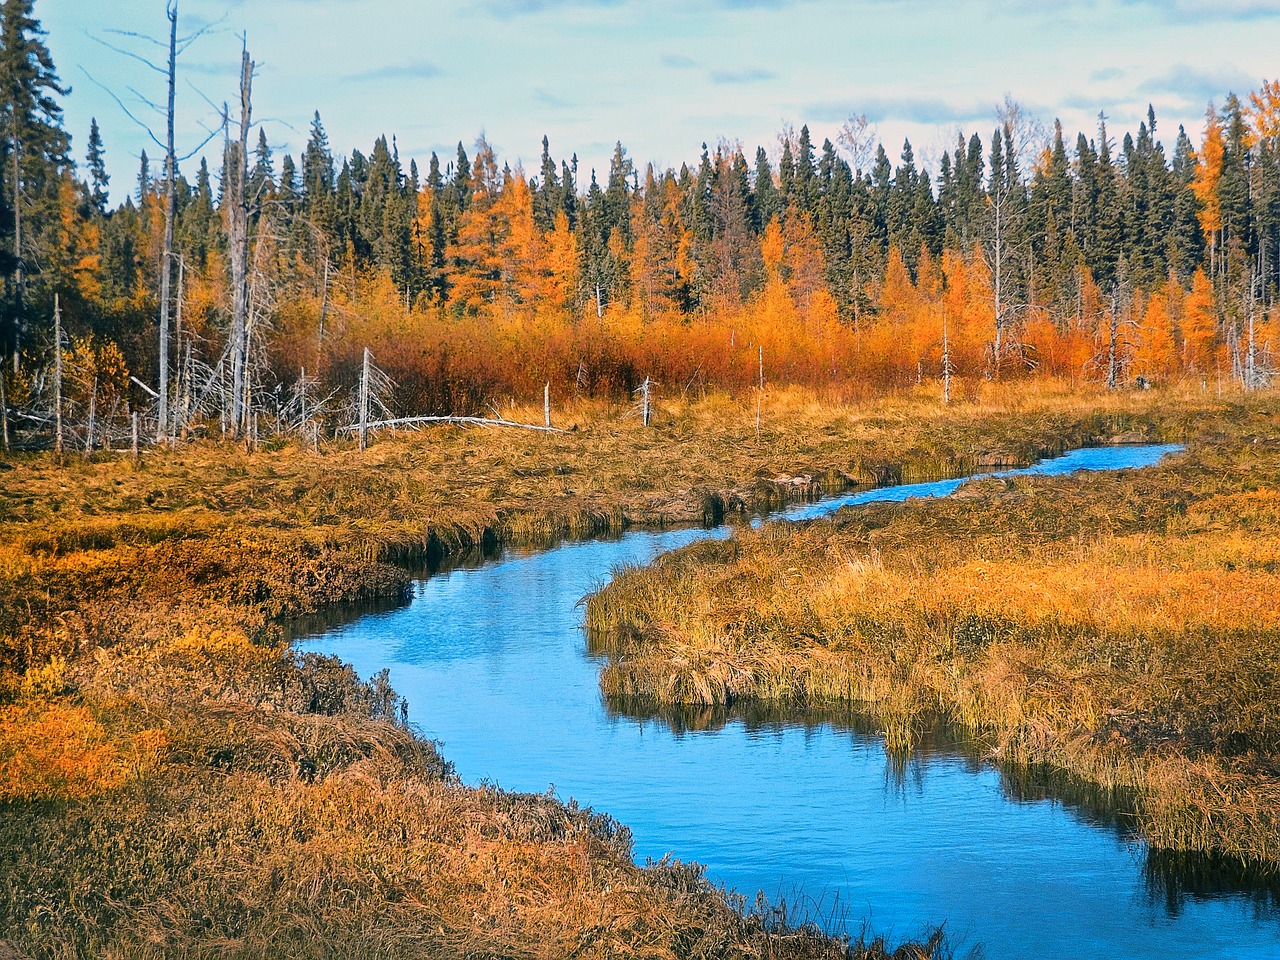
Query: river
[806, 808]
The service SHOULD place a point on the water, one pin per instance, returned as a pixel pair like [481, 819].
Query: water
[493, 662]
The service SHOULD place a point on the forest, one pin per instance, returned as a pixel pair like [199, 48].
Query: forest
[231, 301]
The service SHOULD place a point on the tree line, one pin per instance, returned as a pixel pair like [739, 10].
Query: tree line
[1026, 252]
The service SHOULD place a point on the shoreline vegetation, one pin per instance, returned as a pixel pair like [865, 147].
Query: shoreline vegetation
[1116, 629]
[174, 778]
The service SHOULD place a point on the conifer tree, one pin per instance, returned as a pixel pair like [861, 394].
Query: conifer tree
[96, 163]
[33, 150]
[1108, 232]
[1185, 246]
[764, 196]
[548, 200]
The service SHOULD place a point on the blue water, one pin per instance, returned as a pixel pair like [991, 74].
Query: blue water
[493, 662]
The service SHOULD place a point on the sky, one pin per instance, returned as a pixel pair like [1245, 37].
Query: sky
[661, 76]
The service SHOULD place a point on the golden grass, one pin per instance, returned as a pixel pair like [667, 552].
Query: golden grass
[1120, 627]
[175, 781]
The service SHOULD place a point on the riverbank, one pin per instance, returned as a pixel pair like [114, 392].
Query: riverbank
[175, 778]
[1116, 628]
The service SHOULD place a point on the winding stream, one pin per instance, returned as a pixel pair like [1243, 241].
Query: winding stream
[804, 808]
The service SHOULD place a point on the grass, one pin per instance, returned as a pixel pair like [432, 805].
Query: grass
[1118, 628]
[176, 781]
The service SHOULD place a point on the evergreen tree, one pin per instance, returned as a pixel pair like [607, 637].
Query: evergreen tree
[882, 192]
[1234, 191]
[806, 192]
[33, 153]
[96, 162]
[787, 176]
[144, 178]
[318, 182]
[287, 190]
[1185, 246]
[1108, 228]
[764, 197]
[198, 229]
[548, 200]
[262, 176]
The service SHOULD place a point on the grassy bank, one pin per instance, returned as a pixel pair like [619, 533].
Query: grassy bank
[174, 780]
[1119, 628]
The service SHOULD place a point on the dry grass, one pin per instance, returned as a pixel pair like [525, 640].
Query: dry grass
[1120, 627]
[175, 781]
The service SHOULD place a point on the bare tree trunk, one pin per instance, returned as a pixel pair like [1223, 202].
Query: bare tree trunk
[644, 399]
[4, 416]
[364, 401]
[57, 374]
[946, 361]
[93, 417]
[1251, 355]
[238, 239]
[324, 298]
[760, 394]
[1113, 359]
[546, 405]
[134, 419]
[19, 320]
[997, 346]
[170, 205]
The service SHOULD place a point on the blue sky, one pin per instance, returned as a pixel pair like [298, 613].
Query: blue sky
[662, 76]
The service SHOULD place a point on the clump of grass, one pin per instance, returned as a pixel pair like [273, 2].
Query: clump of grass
[1118, 627]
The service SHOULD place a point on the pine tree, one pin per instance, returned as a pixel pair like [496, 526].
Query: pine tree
[33, 150]
[787, 176]
[806, 193]
[882, 191]
[287, 189]
[548, 200]
[318, 181]
[764, 196]
[1185, 246]
[144, 179]
[96, 162]
[1108, 234]
[262, 181]
[198, 229]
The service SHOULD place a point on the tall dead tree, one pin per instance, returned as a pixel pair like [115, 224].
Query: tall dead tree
[947, 367]
[20, 284]
[4, 417]
[237, 167]
[170, 209]
[57, 375]
[364, 401]
[174, 47]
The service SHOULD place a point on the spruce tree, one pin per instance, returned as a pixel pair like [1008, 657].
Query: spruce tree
[1185, 245]
[96, 163]
[806, 193]
[262, 177]
[1108, 235]
[33, 151]
[764, 195]
[547, 200]
[144, 179]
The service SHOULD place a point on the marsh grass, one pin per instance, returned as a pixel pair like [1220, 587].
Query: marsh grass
[176, 781]
[1119, 627]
